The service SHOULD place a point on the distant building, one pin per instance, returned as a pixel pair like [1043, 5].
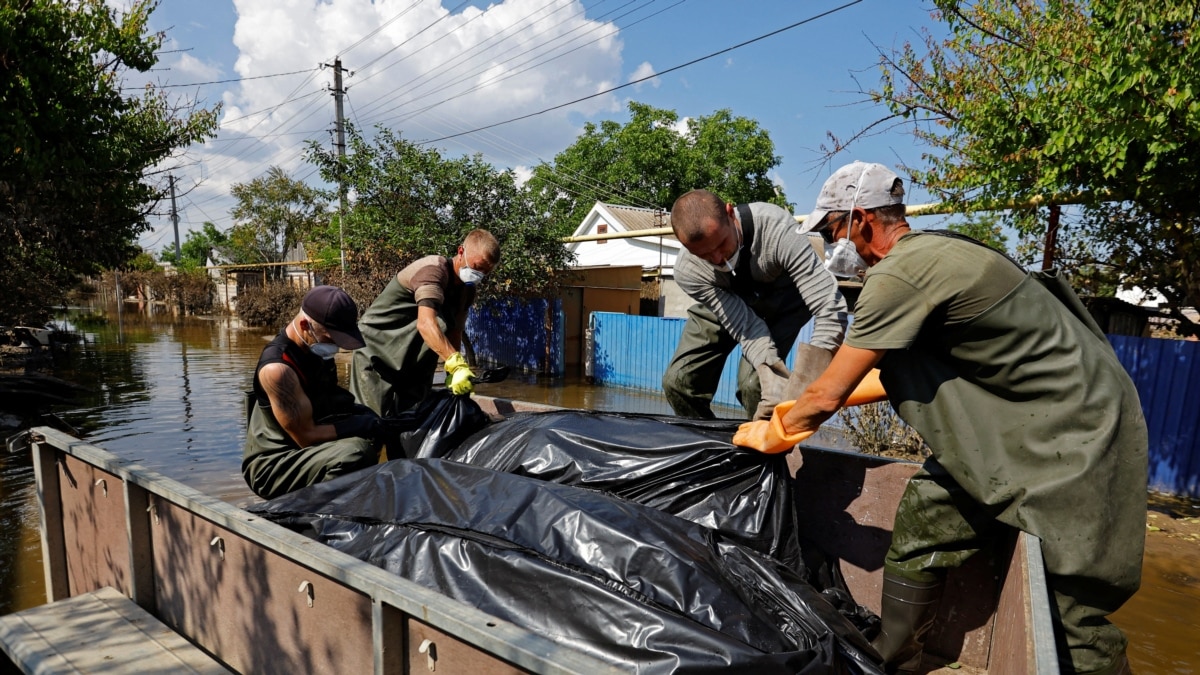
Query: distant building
[652, 254]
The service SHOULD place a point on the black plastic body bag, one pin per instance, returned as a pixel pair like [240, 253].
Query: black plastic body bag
[627, 582]
[687, 468]
[624, 582]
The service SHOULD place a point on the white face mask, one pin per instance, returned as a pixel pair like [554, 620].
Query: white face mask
[730, 263]
[843, 260]
[469, 276]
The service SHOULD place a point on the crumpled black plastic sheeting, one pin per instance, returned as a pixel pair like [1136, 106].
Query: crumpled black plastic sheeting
[433, 427]
[687, 468]
[627, 583]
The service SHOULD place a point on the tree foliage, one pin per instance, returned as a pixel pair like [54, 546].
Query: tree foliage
[1095, 99]
[647, 162]
[197, 248]
[986, 227]
[76, 179]
[273, 214]
[410, 202]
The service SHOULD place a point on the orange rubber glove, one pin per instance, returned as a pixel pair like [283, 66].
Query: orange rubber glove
[870, 390]
[768, 436]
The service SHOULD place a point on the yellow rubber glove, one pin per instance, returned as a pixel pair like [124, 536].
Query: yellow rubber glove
[455, 362]
[870, 390]
[460, 381]
[768, 436]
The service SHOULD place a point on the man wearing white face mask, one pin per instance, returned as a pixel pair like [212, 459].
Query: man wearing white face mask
[418, 319]
[755, 283]
[1032, 421]
[302, 428]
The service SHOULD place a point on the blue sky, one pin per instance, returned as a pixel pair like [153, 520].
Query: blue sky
[483, 63]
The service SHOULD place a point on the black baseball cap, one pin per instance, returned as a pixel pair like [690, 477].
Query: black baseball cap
[335, 310]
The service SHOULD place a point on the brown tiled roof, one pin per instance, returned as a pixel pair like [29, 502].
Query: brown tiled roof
[633, 218]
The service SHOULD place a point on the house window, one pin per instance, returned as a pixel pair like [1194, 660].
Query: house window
[602, 228]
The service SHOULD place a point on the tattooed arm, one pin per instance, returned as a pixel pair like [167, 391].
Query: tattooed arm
[291, 406]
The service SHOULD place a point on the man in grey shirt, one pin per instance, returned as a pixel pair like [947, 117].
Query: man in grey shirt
[756, 282]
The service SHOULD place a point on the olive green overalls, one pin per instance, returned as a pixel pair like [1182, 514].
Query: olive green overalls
[1033, 423]
[272, 463]
[394, 371]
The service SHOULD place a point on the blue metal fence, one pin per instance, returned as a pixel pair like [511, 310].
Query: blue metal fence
[1167, 376]
[523, 334]
[633, 351]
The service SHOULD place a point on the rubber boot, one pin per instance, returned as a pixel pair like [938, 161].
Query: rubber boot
[907, 613]
[1119, 666]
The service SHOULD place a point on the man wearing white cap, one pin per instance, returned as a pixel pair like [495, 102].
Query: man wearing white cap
[302, 428]
[1032, 421]
[755, 283]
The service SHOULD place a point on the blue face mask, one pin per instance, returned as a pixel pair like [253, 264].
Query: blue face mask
[325, 350]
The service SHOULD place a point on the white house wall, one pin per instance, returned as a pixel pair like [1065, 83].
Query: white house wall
[625, 252]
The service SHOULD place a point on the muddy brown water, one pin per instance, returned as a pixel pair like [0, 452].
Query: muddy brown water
[166, 391]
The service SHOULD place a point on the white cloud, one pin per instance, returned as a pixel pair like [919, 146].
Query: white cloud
[425, 74]
[188, 66]
[523, 173]
[645, 70]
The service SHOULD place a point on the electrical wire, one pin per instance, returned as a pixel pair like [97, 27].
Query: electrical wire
[236, 79]
[648, 77]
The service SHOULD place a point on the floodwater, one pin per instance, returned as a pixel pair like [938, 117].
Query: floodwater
[167, 392]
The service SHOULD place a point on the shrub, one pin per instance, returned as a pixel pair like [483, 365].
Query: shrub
[191, 291]
[272, 305]
[876, 429]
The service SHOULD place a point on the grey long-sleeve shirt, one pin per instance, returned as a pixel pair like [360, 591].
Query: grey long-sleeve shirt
[776, 250]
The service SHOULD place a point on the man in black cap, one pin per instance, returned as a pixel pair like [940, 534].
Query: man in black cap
[302, 428]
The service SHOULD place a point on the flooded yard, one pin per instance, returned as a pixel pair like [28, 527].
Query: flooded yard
[167, 392]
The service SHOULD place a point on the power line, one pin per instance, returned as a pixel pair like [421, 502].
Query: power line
[383, 25]
[429, 76]
[527, 65]
[236, 79]
[648, 77]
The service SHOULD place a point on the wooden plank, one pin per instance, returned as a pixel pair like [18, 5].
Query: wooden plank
[98, 632]
[431, 650]
[93, 518]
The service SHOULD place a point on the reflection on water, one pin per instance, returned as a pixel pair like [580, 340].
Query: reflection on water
[22, 583]
[168, 393]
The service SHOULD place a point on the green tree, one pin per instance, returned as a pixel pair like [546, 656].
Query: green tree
[274, 213]
[411, 202]
[983, 226]
[76, 173]
[648, 163]
[1096, 99]
[197, 248]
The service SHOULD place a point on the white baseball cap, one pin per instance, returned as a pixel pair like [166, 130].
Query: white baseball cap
[867, 186]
